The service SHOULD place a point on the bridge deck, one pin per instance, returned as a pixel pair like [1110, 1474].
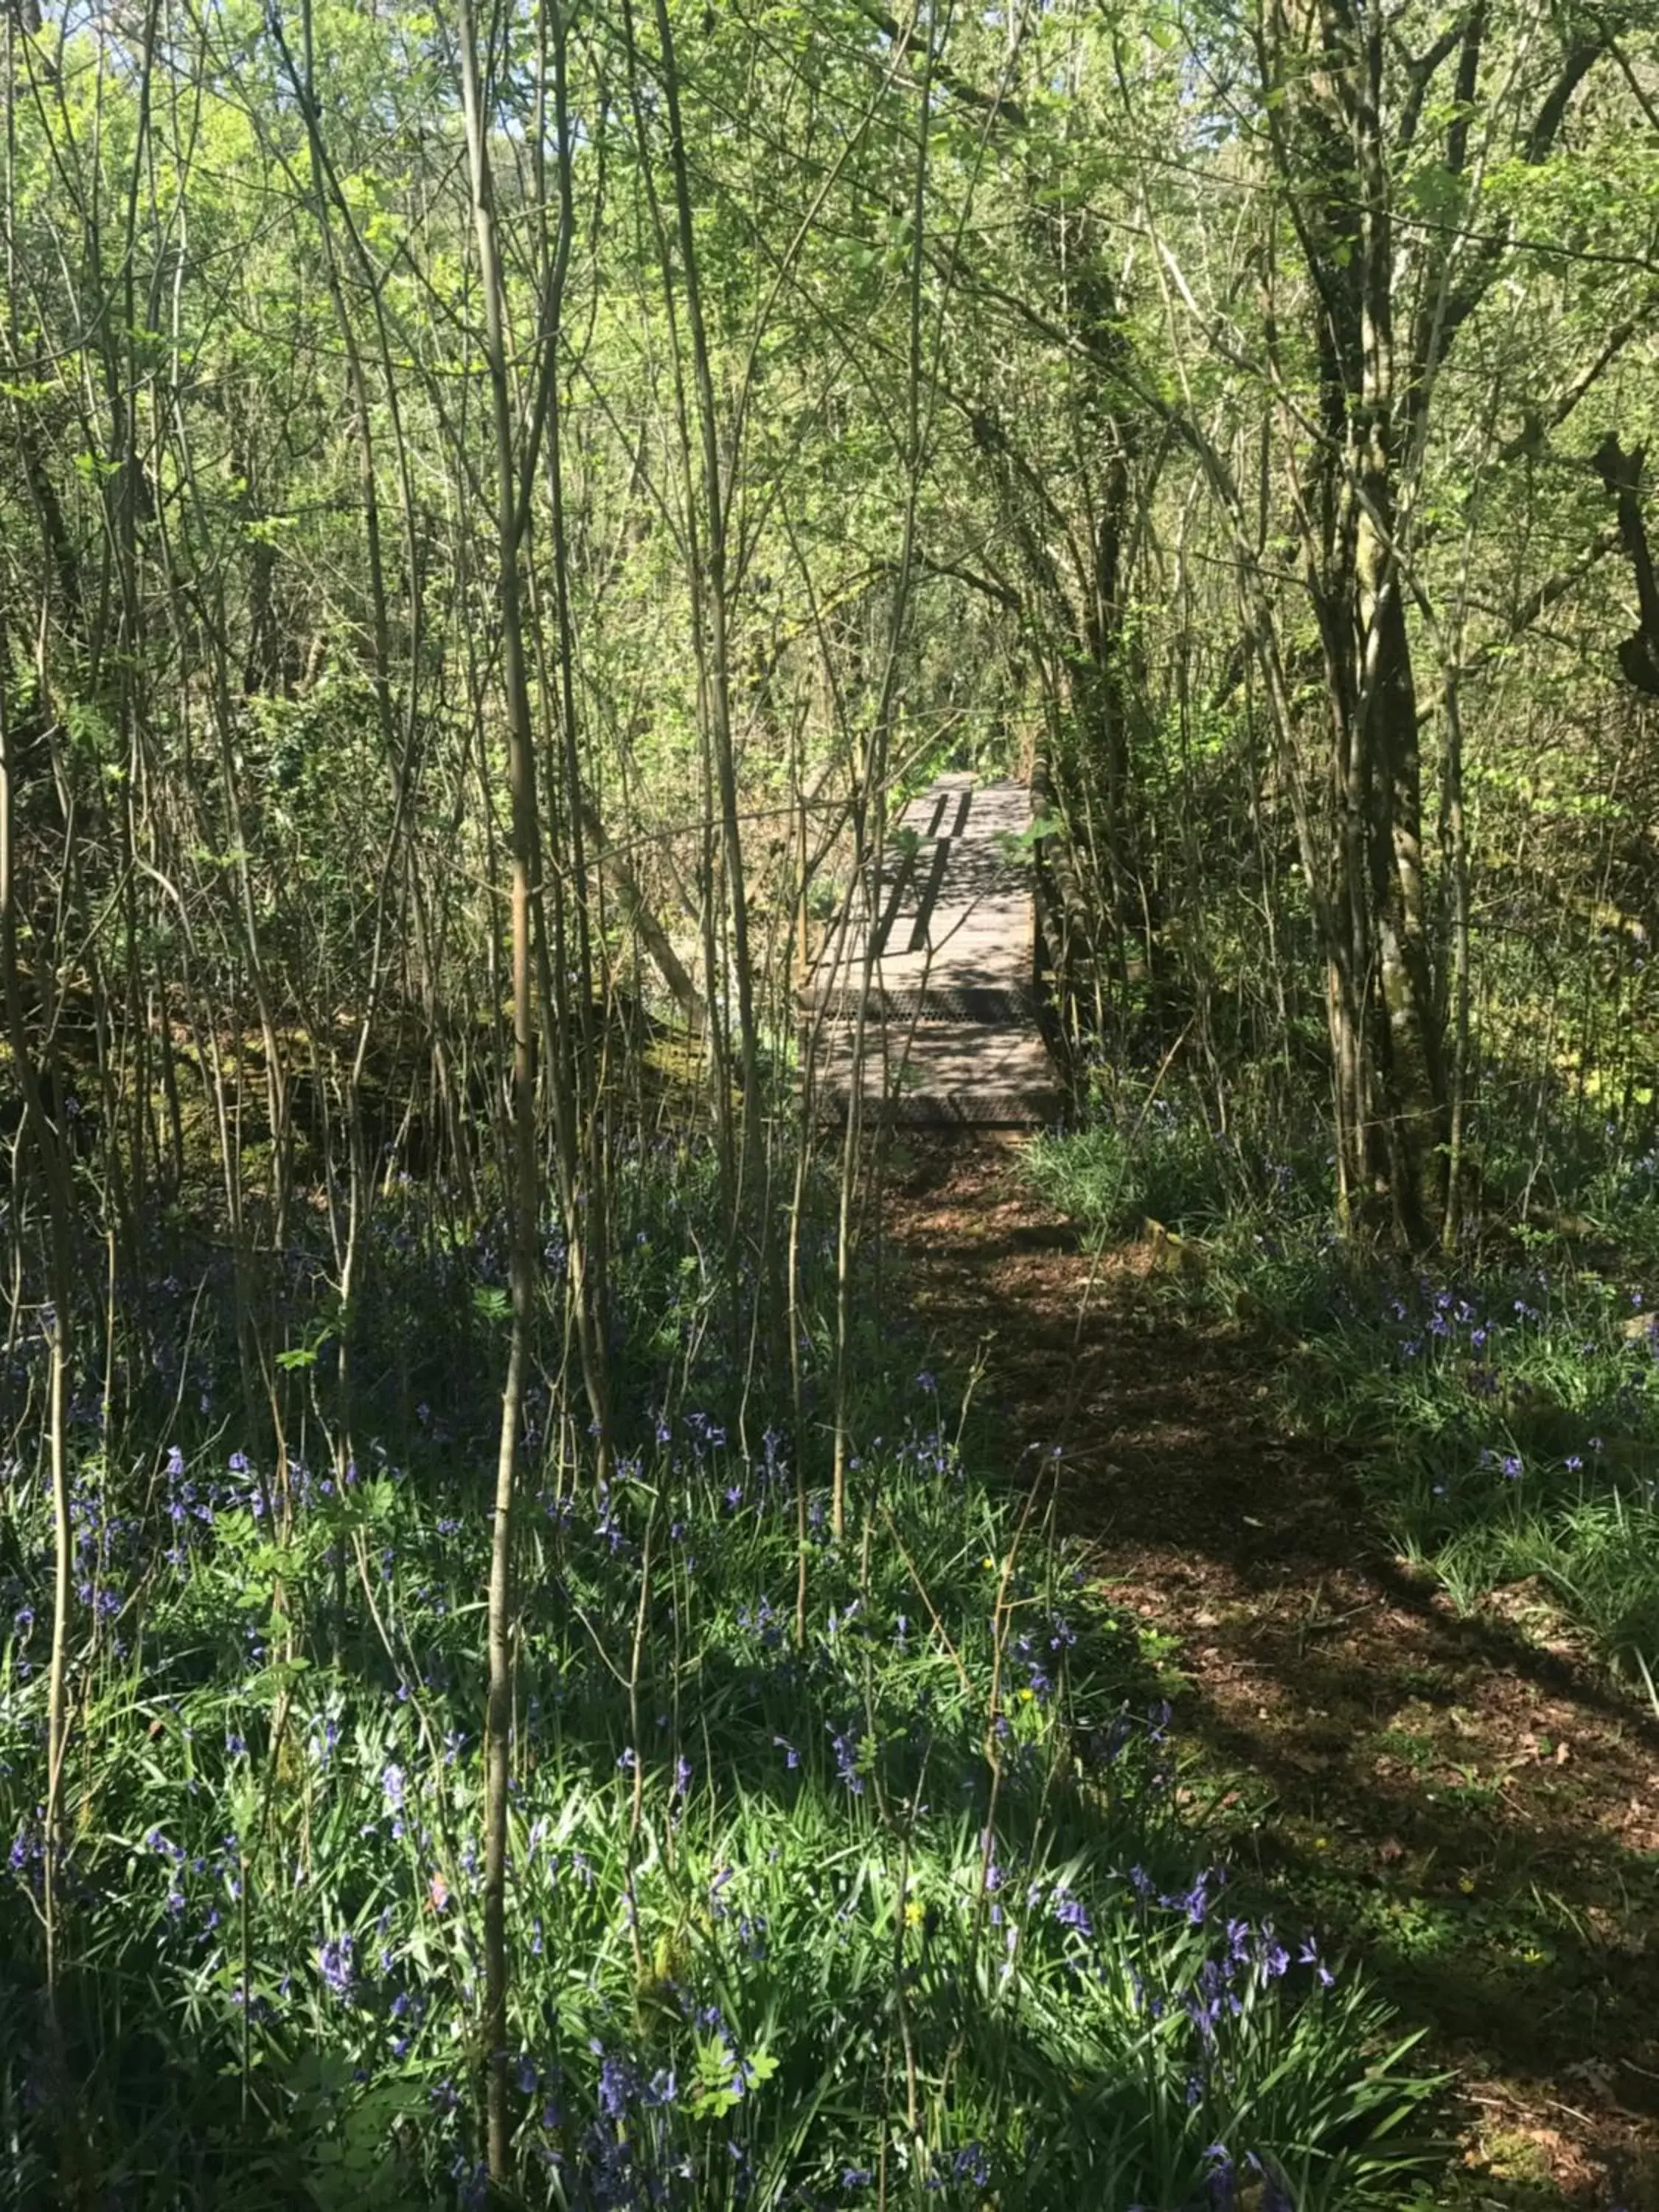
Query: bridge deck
[951, 1032]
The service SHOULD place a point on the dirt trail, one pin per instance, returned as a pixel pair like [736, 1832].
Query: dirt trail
[1466, 1805]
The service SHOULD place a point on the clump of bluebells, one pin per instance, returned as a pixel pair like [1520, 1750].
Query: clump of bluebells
[767, 1859]
[1512, 1431]
[1507, 1412]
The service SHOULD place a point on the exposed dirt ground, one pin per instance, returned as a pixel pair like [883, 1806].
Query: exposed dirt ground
[1467, 1804]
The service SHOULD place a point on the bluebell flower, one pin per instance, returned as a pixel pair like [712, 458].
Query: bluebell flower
[334, 1963]
[1308, 1956]
[1069, 1912]
[1195, 1904]
[846, 1753]
[618, 2082]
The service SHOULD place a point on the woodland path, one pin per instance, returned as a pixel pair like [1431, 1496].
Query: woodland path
[1466, 1805]
[951, 1031]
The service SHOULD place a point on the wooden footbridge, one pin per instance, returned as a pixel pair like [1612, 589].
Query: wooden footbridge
[945, 961]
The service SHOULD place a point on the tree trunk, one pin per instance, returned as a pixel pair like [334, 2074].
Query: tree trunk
[522, 1185]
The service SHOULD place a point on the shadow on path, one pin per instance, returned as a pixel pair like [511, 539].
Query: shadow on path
[1468, 1804]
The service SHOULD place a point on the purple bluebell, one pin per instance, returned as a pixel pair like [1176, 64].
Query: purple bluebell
[847, 1754]
[334, 1963]
[1069, 1912]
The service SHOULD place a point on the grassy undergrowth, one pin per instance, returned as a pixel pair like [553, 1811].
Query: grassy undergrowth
[1504, 1404]
[887, 1903]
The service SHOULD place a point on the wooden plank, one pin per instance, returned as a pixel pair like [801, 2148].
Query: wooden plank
[940, 1002]
[983, 1073]
[951, 1033]
[975, 931]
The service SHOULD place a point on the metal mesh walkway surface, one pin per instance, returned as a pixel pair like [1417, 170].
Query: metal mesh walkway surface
[948, 945]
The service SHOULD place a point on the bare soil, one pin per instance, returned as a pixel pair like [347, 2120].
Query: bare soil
[1467, 1804]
